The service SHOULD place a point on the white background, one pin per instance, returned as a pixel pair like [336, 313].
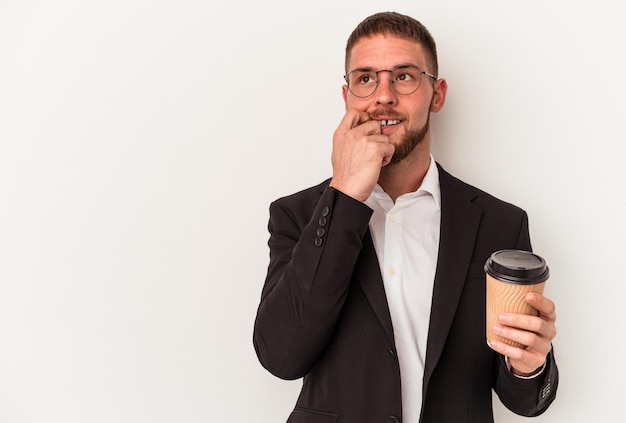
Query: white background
[141, 143]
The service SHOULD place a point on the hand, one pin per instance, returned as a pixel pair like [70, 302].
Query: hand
[537, 332]
[359, 152]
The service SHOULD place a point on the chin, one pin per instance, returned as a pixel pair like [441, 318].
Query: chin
[407, 143]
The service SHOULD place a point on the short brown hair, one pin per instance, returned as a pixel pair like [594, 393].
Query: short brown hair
[393, 23]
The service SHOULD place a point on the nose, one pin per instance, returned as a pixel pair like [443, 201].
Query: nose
[385, 92]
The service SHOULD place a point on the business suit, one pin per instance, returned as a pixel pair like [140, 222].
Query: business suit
[324, 316]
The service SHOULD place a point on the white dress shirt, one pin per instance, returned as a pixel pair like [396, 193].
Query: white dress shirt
[406, 239]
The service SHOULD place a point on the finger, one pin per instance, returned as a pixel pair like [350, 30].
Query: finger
[353, 118]
[522, 321]
[379, 143]
[531, 343]
[542, 304]
[545, 329]
[379, 138]
[537, 324]
[388, 150]
[523, 360]
[529, 339]
[505, 349]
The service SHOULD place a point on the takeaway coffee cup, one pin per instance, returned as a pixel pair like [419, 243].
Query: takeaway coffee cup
[510, 274]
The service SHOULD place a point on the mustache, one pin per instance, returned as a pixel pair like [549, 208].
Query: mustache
[388, 113]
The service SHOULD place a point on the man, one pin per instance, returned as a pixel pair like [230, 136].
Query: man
[375, 291]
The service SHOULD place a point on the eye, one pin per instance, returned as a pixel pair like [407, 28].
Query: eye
[365, 79]
[405, 75]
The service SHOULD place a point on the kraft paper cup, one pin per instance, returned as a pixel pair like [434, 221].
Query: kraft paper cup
[510, 274]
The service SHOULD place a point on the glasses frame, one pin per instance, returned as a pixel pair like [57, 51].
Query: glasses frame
[421, 72]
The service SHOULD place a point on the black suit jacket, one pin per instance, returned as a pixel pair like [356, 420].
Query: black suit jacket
[324, 316]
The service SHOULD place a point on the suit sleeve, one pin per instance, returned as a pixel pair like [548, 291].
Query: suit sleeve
[311, 264]
[527, 397]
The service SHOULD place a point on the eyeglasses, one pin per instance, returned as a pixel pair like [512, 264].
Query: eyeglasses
[404, 79]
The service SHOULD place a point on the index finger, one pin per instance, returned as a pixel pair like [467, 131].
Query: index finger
[353, 118]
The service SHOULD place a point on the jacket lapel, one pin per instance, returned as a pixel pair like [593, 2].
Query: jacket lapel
[367, 272]
[460, 219]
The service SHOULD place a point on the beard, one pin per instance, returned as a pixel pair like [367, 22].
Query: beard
[409, 141]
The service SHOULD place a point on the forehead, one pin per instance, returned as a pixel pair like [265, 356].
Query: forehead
[383, 51]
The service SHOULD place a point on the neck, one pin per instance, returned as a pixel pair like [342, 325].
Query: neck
[407, 175]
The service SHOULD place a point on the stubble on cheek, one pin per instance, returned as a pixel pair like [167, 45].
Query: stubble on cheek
[411, 139]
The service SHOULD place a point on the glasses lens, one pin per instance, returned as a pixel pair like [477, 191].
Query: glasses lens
[406, 79]
[362, 83]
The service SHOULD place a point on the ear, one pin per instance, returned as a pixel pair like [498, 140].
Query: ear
[439, 95]
[344, 93]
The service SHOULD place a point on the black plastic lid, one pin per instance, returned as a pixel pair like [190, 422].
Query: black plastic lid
[517, 266]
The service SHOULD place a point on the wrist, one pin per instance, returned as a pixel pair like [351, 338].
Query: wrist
[523, 375]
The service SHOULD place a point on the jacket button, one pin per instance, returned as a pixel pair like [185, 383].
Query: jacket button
[393, 419]
[322, 221]
[394, 356]
[320, 231]
[318, 241]
[325, 211]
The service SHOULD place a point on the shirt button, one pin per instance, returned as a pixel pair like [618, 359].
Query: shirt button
[392, 271]
[392, 218]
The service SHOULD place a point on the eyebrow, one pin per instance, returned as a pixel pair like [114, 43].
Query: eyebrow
[403, 65]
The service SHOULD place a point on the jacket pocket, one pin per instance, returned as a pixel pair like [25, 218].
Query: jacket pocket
[303, 415]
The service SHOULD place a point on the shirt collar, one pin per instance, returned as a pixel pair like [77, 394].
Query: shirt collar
[430, 185]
